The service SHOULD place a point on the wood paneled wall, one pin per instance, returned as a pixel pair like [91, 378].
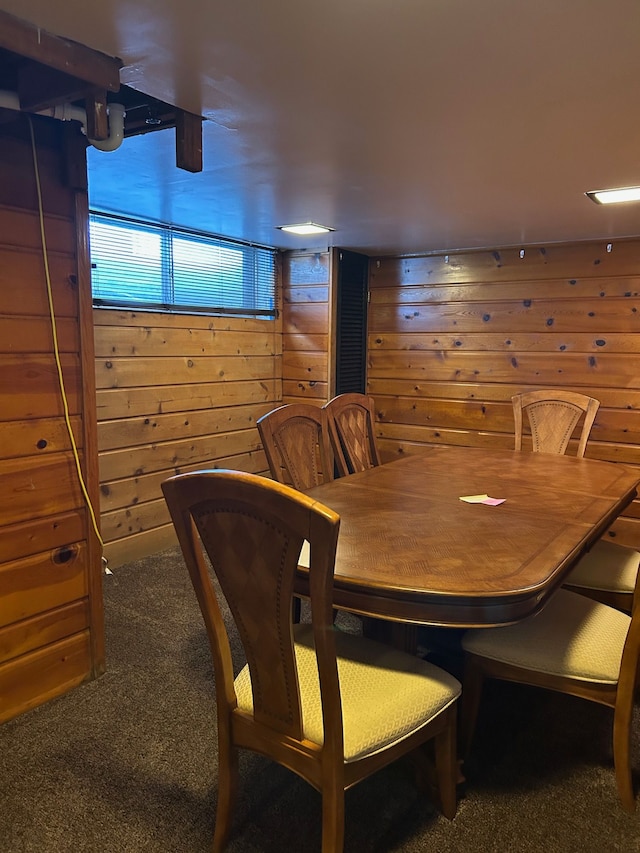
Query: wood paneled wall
[51, 631]
[175, 393]
[453, 337]
[307, 324]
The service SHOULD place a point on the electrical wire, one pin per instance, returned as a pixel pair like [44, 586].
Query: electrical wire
[56, 349]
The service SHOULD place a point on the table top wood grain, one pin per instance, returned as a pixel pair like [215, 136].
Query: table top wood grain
[411, 551]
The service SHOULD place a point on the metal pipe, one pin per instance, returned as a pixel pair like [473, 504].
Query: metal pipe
[68, 112]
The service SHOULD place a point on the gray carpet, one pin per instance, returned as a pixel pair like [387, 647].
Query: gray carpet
[128, 762]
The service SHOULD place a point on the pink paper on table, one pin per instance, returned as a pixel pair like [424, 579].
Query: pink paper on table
[483, 499]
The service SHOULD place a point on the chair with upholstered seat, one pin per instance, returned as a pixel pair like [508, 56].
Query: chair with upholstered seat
[574, 645]
[296, 443]
[608, 572]
[332, 707]
[351, 427]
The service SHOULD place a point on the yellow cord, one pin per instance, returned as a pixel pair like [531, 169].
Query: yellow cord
[56, 349]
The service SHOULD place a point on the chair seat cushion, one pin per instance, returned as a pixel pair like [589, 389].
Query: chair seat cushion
[607, 566]
[386, 694]
[572, 636]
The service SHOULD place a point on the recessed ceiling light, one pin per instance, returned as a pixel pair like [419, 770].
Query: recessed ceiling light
[615, 196]
[305, 228]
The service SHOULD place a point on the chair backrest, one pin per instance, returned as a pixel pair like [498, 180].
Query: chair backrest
[553, 416]
[252, 530]
[351, 427]
[296, 443]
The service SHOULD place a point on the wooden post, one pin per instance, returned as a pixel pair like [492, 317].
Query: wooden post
[188, 141]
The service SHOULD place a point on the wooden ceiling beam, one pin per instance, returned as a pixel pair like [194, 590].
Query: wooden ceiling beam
[95, 69]
[97, 118]
[40, 87]
[188, 141]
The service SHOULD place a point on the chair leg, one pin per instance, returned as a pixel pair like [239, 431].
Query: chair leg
[621, 755]
[332, 818]
[447, 766]
[227, 789]
[472, 681]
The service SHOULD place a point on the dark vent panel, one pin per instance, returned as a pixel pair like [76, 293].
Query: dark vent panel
[351, 331]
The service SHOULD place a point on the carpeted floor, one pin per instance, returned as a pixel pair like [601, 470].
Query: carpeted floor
[127, 763]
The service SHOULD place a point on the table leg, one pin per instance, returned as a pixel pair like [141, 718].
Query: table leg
[400, 635]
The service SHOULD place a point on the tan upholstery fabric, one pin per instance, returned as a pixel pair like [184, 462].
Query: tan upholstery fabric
[607, 566]
[386, 694]
[572, 636]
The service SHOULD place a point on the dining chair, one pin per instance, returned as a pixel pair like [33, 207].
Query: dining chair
[296, 443]
[608, 572]
[351, 427]
[553, 416]
[332, 707]
[574, 645]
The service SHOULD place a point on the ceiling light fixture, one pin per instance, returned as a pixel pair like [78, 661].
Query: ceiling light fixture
[615, 196]
[305, 228]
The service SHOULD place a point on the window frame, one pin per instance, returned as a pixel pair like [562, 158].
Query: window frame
[258, 260]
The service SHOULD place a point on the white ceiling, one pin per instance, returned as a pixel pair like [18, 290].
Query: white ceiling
[407, 125]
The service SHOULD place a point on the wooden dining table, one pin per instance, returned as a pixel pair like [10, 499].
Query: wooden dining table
[411, 551]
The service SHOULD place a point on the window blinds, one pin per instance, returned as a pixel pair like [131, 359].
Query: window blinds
[139, 264]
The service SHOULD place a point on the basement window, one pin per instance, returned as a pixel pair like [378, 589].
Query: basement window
[143, 266]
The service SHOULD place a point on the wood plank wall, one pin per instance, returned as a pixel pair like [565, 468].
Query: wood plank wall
[180, 392]
[452, 337]
[51, 632]
[175, 393]
[307, 323]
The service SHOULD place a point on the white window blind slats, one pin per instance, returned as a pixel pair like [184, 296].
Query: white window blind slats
[138, 264]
